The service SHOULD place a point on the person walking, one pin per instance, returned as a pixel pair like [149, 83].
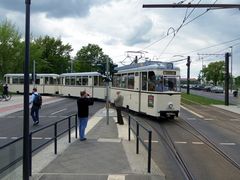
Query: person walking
[118, 104]
[83, 104]
[36, 102]
[5, 90]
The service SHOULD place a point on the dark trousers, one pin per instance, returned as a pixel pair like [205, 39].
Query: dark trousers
[119, 115]
[35, 113]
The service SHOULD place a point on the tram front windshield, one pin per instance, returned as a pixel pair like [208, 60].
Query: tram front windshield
[167, 83]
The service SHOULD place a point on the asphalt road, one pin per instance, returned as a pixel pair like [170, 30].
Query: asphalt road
[217, 96]
[11, 126]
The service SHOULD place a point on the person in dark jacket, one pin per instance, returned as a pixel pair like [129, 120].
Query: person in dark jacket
[119, 103]
[83, 104]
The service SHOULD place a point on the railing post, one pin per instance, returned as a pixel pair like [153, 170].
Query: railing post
[76, 127]
[55, 138]
[149, 150]
[129, 128]
[30, 154]
[137, 140]
[69, 129]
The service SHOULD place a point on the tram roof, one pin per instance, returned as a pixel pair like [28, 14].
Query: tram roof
[149, 65]
[38, 74]
[81, 74]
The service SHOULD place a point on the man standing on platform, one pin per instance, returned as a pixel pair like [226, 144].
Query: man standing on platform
[119, 103]
[83, 111]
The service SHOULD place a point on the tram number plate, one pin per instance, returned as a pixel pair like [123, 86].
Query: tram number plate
[150, 101]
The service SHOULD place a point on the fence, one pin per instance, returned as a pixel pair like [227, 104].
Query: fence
[138, 138]
[16, 142]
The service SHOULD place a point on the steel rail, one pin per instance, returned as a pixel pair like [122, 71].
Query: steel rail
[208, 142]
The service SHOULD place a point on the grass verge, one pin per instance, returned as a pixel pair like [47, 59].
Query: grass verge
[195, 99]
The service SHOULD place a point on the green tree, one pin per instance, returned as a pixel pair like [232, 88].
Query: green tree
[51, 55]
[88, 57]
[237, 82]
[10, 48]
[214, 72]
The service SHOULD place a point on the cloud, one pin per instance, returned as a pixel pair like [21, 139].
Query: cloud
[55, 8]
[139, 32]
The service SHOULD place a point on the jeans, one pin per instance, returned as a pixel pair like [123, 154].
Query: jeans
[35, 113]
[82, 126]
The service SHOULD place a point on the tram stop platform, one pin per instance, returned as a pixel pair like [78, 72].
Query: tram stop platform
[105, 155]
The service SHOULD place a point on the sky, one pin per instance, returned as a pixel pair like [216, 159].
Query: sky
[122, 27]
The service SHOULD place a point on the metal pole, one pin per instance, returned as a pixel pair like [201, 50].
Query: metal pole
[188, 73]
[227, 79]
[107, 91]
[231, 75]
[26, 164]
[34, 74]
[137, 140]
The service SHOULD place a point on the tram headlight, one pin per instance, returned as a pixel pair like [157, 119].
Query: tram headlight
[170, 105]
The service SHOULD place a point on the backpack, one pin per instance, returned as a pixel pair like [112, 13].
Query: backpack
[37, 101]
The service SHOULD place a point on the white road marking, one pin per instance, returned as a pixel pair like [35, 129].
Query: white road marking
[197, 143]
[14, 137]
[58, 111]
[3, 137]
[208, 119]
[116, 177]
[153, 141]
[191, 118]
[37, 138]
[234, 119]
[196, 114]
[180, 142]
[228, 144]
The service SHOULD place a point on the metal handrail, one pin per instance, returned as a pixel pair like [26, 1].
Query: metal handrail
[138, 138]
[56, 135]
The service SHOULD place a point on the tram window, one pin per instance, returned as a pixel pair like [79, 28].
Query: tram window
[78, 81]
[124, 81]
[101, 83]
[73, 80]
[15, 80]
[170, 84]
[85, 80]
[159, 83]
[7, 80]
[46, 80]
[21, 80]
[151, 81]
[116, 80]
[61, 80]
[37, 80]
[144, 81]
[51, 80]
[67, 80]
[95, 80]
[131, 81]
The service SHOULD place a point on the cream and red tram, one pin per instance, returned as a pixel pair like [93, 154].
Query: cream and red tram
[153, 89]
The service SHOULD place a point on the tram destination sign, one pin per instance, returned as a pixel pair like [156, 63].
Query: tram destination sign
[169, 72]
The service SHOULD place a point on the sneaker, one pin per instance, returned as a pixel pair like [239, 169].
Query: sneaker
[35, 122]
[83, 139]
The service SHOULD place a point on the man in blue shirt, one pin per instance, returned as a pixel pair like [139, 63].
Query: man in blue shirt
[35, 108]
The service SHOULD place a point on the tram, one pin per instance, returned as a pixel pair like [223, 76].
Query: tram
[149, 88]
[45, 83]
[71, 84]
[152, 88]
